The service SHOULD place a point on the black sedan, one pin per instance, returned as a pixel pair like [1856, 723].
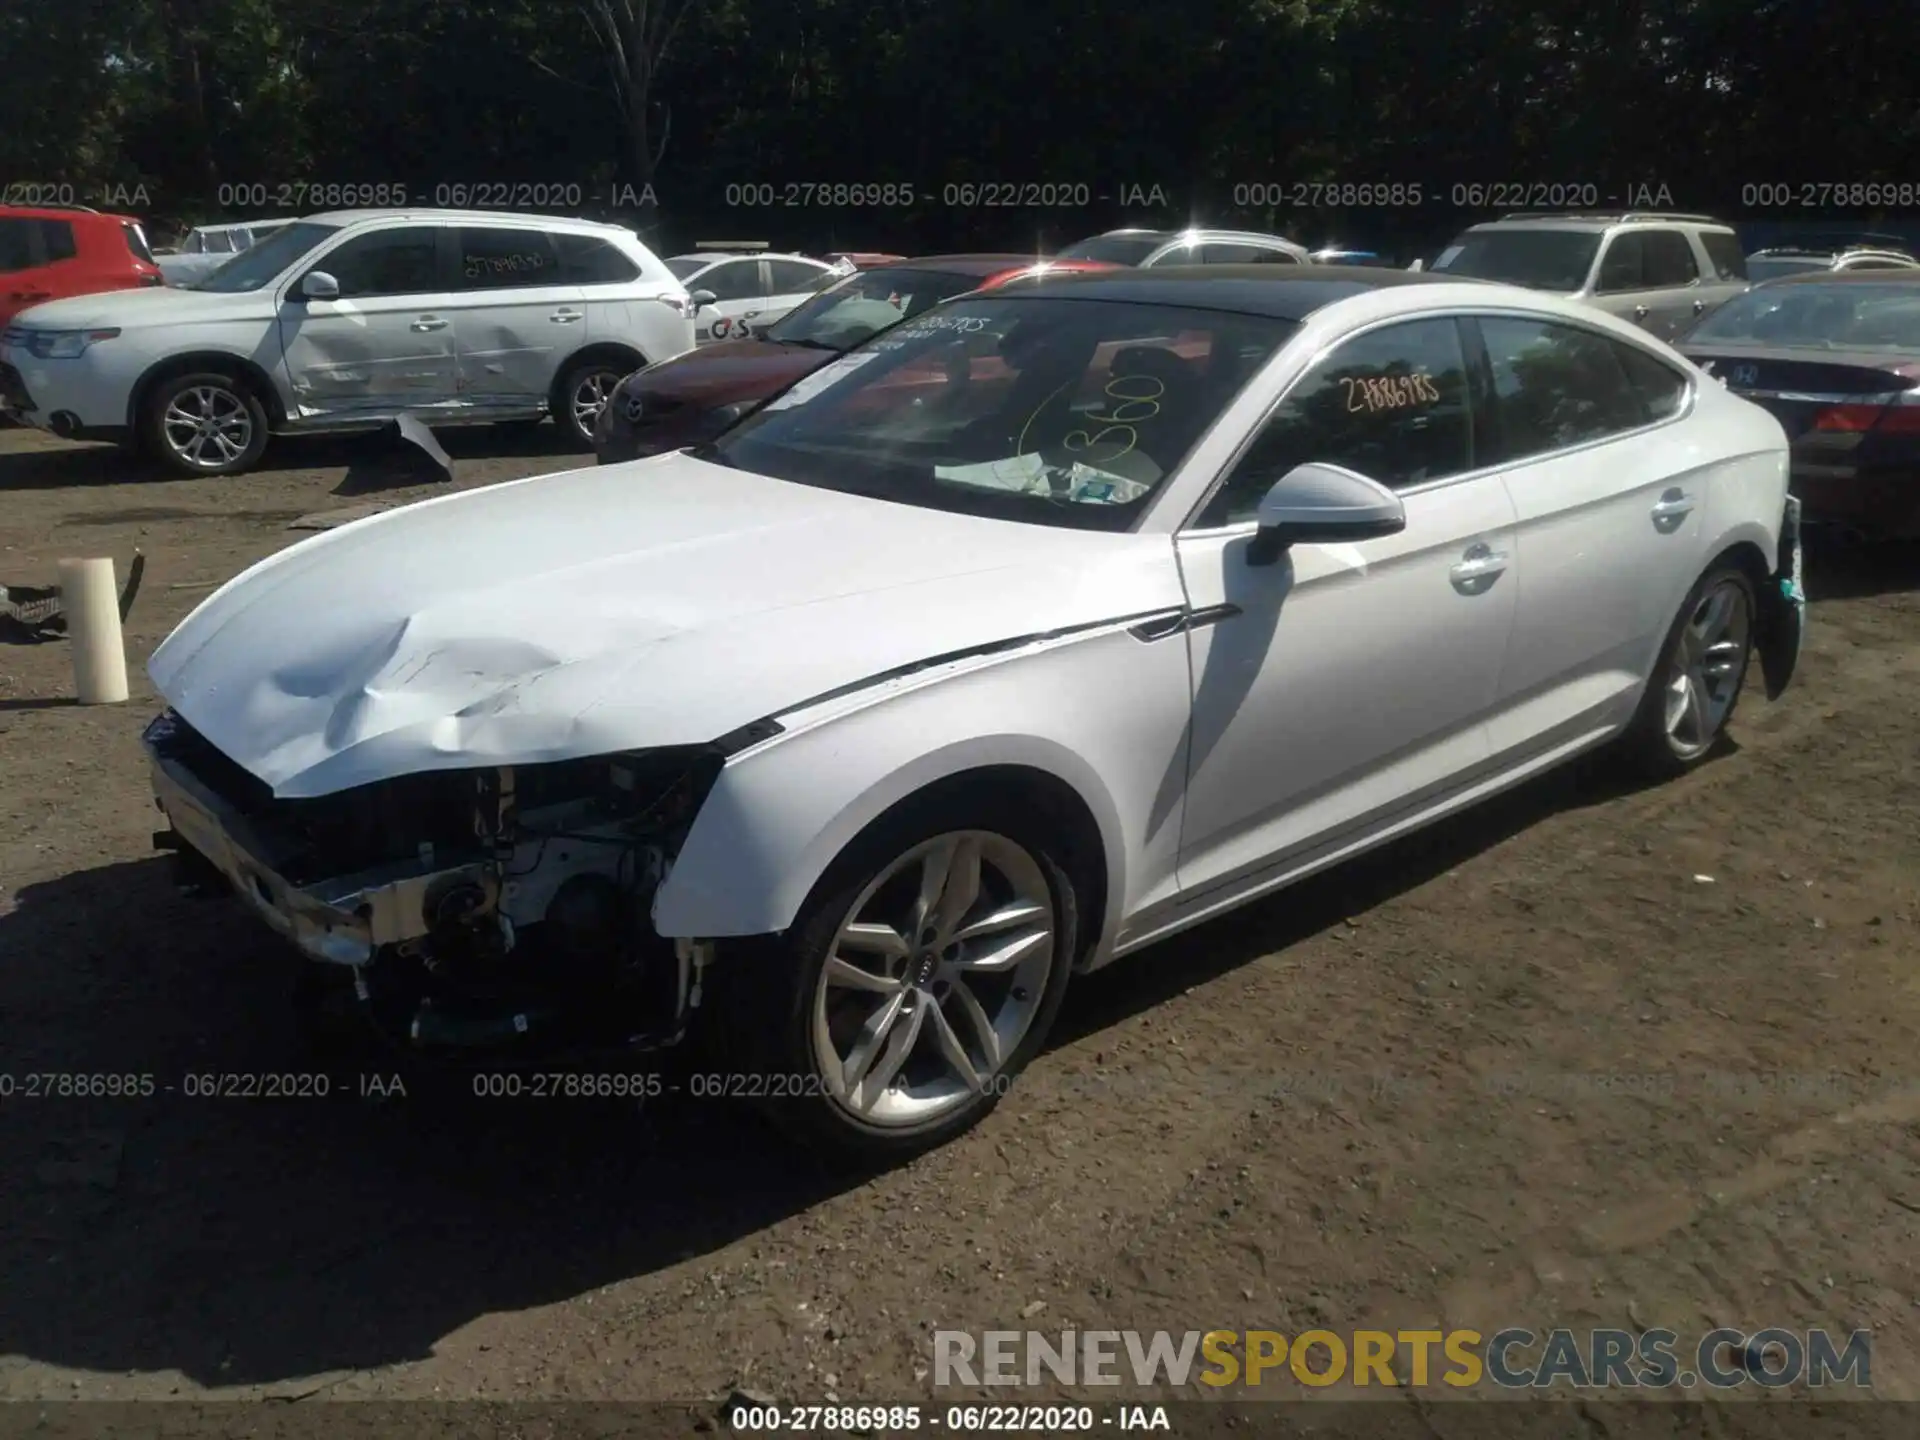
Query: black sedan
[1835, 355]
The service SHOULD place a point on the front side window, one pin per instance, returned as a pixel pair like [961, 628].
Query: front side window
[1624, 267]
[864, 304]
[1537, 259]
[1035, 409]
[387, 262]
[1669, 260]
[1391, 404]
[1555, 386]
[735, 280]
[499, 259]
[1723, 253]
[1115, 249]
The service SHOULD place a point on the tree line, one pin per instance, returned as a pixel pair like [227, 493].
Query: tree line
[930, 124]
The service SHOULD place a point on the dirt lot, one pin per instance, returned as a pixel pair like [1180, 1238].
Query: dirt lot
[1535, 1068]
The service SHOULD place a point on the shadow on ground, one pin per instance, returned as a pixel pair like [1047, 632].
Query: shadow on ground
[252, 1241]
[376, 460]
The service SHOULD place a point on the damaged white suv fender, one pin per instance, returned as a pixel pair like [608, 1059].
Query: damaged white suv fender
[1047, 623]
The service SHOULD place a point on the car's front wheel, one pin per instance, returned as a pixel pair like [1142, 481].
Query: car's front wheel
[204, 423]
[918, 981]
[1697, 681]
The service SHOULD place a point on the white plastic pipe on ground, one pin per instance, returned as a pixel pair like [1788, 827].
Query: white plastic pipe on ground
[92, 605]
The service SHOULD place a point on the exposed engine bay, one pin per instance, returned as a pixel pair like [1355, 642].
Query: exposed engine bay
[479, 911]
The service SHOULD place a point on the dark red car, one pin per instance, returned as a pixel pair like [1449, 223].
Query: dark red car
[49, 253]
[693, 397]
[1835, 356]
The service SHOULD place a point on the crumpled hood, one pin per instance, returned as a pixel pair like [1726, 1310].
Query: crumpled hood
[664, 602]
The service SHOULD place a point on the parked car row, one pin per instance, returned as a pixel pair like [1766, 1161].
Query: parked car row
[1046, 621]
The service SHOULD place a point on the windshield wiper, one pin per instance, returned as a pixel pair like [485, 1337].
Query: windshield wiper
[808, 344]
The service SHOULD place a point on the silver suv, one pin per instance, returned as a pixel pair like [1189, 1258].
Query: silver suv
[1660, 271]
[1801, 260]
[1188, 247]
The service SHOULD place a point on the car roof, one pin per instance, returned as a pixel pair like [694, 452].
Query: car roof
[710, 256]
[1288, 293]
[981, 265]
[1847, 277]
[515, 217]
[1591, 223]
[62, 212]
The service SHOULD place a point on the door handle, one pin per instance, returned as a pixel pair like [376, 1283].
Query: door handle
[1699, 307]
[1639, 312]
[1673, 507]
[1477, 569]
[564, 317]
[429, 322]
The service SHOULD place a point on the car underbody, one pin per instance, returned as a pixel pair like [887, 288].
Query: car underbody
[486, 911]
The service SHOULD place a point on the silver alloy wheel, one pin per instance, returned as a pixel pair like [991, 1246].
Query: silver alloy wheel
[934, 978]
[207, 418]
[591, 391]
[1708, 666]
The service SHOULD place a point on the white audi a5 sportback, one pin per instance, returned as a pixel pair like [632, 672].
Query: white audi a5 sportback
[1038, 628]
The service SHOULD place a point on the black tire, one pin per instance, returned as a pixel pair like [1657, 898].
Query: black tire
[1650, 748]
[579, 437]
[763, 992]
[235, 406]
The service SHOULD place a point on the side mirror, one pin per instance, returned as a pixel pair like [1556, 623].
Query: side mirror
[1323, 505]
[701, 299]
[319, 285]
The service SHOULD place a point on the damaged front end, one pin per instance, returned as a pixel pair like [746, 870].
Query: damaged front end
[479, 910]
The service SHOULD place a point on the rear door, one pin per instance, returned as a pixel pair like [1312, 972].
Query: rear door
[516, 315]
[606, 276]
[1608, 510]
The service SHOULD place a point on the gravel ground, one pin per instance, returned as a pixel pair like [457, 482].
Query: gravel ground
[1582, 1058]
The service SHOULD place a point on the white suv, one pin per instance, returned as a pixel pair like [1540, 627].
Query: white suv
[348, 320]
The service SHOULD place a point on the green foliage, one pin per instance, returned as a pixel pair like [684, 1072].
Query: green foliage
[195, 97]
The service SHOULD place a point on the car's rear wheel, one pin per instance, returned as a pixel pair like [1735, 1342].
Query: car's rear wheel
[918, 981]
[1697, 681]
[579, 396]
[204, 423]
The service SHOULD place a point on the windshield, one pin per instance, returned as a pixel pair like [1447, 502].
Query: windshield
[863, 305]
[1036, 409]
[683, 266]
[1772, 267]
[1818, 316]
[1114, 249]
[1537, 259]
[261, 265]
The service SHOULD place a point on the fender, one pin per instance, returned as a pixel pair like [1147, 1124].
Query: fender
[1103, 712]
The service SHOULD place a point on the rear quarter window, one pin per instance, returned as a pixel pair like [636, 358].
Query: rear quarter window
[1661, 388]
[589, 260]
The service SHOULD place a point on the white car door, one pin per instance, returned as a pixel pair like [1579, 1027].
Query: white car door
[516, 315]
[387, 343]
[1345, 682]
[739, 289]
[1608, 504]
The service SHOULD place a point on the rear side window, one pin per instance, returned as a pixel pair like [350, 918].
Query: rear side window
[1669, 260]
[493, 259]
[1661, 388]
[1215, 254]
[1723, 253]
[589, 260]
[137, 243]
[1391, 404]
[57, 236]
[1624, 265]
[1554, 387]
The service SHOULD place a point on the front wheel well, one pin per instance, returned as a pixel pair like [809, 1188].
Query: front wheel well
[1749, 557]
[609, 351]
[1063, 813]
[212, 362]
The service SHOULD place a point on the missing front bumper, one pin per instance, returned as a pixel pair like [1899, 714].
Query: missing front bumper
[1783, 609]
[342, 920]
